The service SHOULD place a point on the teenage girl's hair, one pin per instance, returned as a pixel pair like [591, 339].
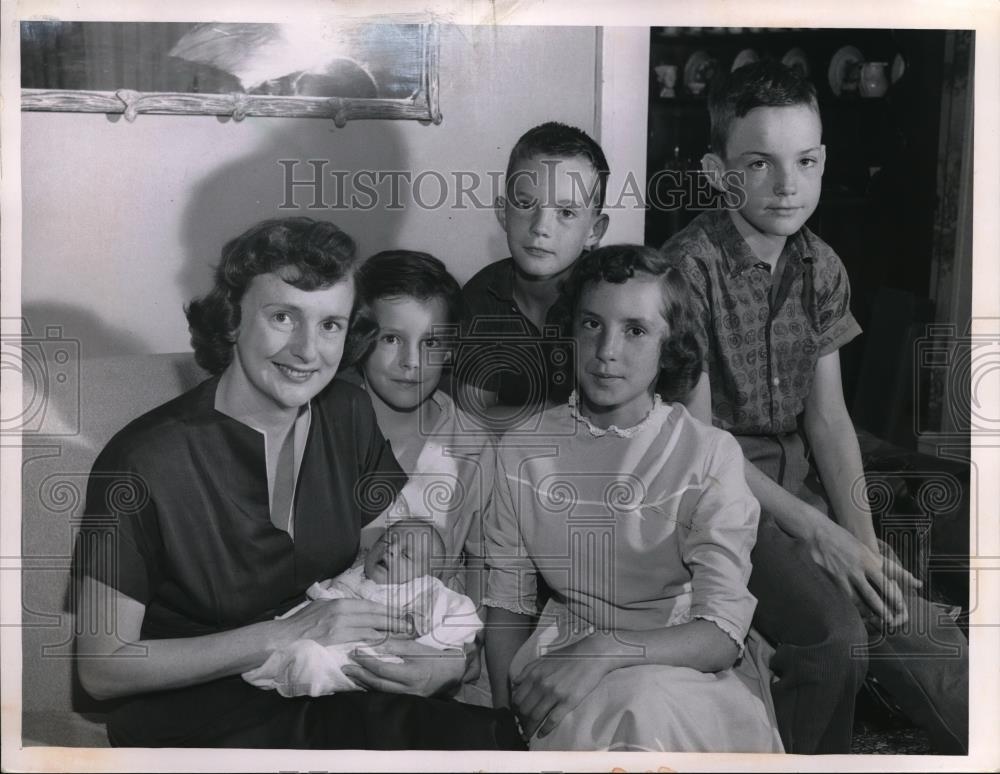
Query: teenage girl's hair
[680, 353]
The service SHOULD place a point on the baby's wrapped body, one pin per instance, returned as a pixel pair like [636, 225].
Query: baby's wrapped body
[396, 574]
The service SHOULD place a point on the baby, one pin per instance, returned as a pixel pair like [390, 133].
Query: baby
[401, 571]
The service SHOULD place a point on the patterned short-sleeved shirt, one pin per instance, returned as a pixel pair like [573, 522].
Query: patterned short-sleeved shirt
[761, 343]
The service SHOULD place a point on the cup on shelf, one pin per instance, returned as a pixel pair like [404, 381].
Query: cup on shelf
[666, 76]
[873, 80]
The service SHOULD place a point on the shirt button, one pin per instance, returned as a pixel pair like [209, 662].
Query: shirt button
[776, 381]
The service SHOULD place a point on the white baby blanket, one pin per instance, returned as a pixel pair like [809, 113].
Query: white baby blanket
[441, 619]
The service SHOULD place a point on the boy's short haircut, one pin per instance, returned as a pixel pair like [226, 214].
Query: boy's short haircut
[680, 352]
[759, 84]
[553, 140]
[398, 274]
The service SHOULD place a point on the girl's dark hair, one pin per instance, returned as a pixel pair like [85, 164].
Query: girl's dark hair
[308, 254]
[680, 353]
[403, 273]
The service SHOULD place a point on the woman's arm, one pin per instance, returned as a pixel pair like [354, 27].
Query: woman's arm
[425, 671]
[113, 660]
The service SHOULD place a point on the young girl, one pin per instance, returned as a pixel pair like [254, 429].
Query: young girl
[413, 306]
[640, 521]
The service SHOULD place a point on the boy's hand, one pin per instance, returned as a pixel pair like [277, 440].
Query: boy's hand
[893, 569]
[862, 573]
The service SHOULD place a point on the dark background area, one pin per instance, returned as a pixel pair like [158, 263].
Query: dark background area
[879, 199]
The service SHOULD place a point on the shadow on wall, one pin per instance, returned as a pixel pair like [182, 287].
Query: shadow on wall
[234, 197]
[53, 324]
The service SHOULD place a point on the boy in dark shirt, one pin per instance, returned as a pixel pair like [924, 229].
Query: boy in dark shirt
[774, 309]
[512, 361]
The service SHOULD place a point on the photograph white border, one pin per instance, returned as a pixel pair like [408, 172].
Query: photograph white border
[984, 17]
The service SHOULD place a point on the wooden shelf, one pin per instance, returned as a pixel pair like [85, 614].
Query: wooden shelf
[700, 102]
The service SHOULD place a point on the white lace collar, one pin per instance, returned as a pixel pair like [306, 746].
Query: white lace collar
[620, 432]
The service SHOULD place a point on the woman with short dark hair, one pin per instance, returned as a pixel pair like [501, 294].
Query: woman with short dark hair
[210, 515]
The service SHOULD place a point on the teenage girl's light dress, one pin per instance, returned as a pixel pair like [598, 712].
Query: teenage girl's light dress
[634, 529]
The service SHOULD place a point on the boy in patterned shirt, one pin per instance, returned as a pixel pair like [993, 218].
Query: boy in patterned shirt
[774, 307]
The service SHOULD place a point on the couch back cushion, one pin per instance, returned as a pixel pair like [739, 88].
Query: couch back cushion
[71, 408]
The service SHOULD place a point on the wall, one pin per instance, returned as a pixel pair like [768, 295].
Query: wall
[122, 222]
[623, 106]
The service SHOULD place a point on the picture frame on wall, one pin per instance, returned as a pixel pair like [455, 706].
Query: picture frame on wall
[341, 69]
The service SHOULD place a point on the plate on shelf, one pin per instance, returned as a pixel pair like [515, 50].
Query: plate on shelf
[698, 71]
[843, 71]
[795, 58]
[898, 67]
[745, 57]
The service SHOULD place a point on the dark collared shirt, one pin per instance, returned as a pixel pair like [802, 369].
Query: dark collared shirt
[762, 339]
[196, 544]
[503, 351]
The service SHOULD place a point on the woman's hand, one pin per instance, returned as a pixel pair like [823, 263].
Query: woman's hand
[552, 686]
[336, 621]
[425, 671]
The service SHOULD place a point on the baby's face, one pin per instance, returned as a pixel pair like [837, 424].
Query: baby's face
[401, 554]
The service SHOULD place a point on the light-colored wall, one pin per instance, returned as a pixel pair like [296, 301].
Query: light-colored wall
[623, 107]
[122, 222]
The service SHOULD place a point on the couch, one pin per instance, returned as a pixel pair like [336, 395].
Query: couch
[71, 408]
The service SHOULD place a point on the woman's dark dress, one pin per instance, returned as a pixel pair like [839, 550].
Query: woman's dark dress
[177, 518]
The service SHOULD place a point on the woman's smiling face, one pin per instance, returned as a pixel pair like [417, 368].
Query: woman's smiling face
[290, 341]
